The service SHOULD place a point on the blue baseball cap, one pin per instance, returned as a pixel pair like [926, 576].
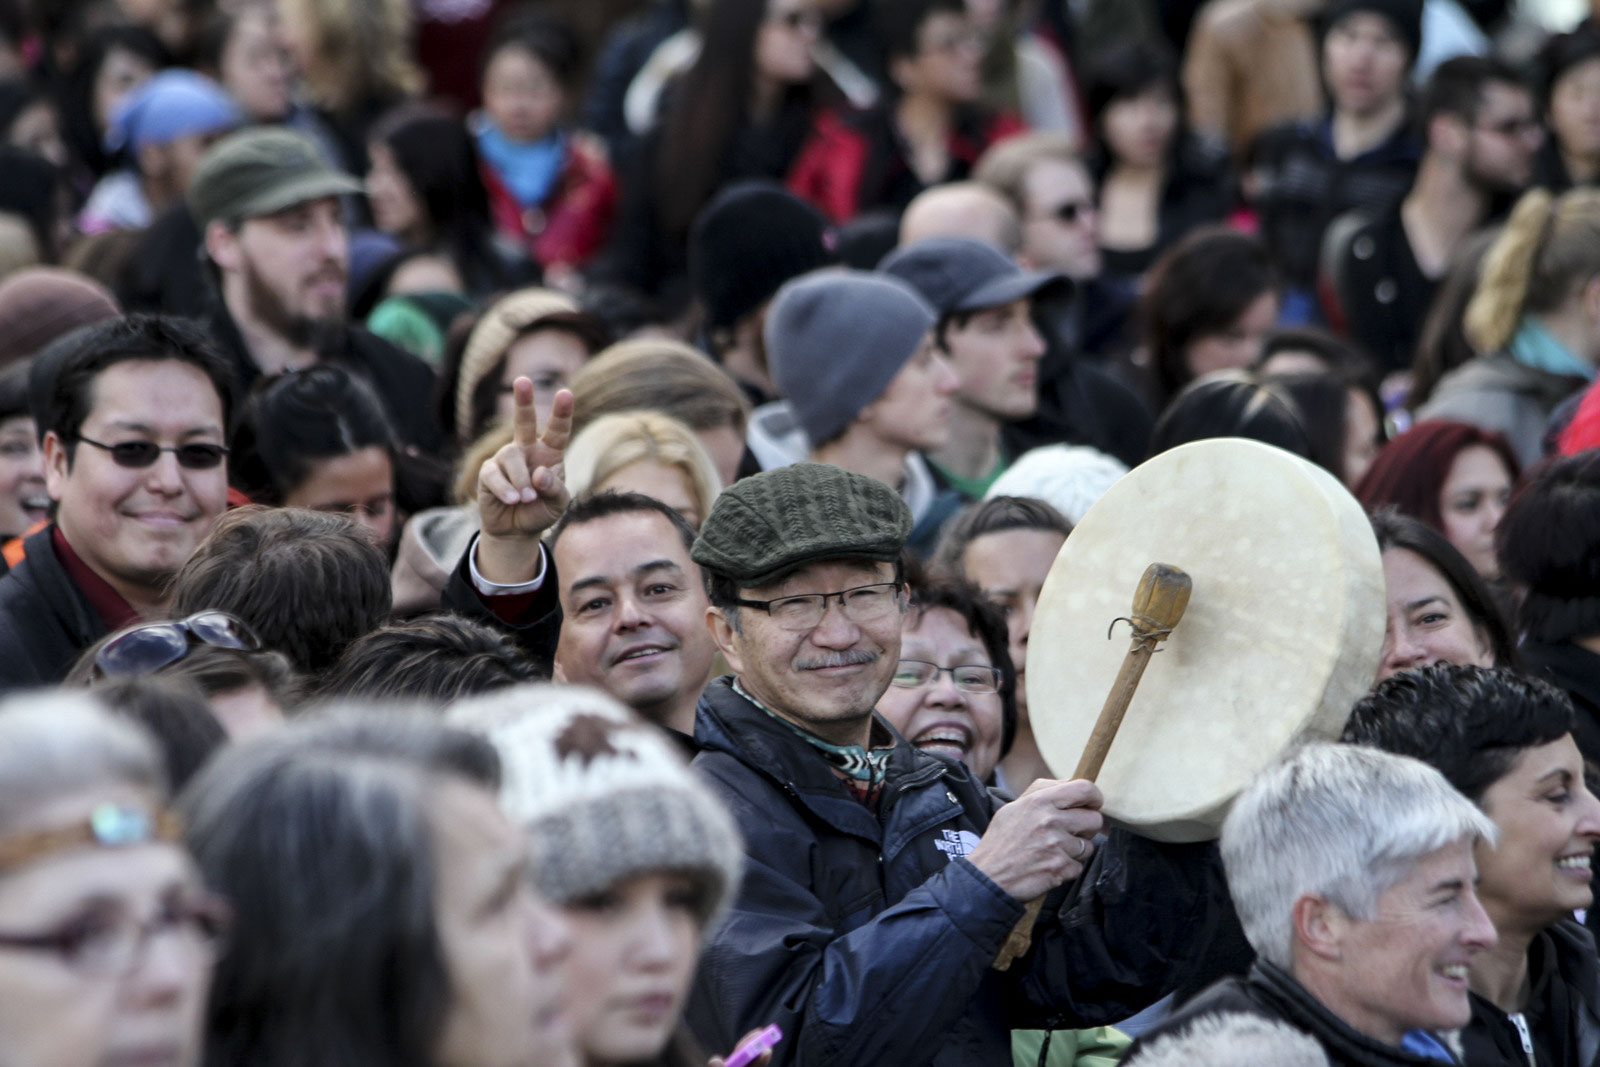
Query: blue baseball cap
[169, 105]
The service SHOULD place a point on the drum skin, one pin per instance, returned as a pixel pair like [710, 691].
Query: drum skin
[1282, 635]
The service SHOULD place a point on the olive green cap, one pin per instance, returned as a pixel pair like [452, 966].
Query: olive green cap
[261, 171]
[764, 526]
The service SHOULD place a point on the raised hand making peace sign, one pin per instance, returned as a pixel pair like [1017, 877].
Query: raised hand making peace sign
[521, 488]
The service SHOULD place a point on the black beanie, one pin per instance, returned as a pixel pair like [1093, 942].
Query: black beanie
[1404, 15]
[747, 242]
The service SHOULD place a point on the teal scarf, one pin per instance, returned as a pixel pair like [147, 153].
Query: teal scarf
[1535, 346]
[868, 765]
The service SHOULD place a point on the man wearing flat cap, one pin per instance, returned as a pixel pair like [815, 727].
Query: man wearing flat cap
[268, 207]
[881, 881]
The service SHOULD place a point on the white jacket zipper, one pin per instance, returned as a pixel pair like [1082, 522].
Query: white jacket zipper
[1527, 1039]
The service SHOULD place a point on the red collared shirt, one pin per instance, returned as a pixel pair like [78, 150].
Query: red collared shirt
[107, 603]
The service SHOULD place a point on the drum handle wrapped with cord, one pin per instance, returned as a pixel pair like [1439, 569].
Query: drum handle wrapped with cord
[1158, 605]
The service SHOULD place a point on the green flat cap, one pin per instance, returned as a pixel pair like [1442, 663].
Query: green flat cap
[764, 526]
[261, 171]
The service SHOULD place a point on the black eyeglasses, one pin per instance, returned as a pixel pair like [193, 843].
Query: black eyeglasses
[1072, 211]
[196, 456]
[969, 677]
[804, 612]
[154, 645]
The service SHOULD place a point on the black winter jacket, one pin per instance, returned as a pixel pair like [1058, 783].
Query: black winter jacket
[535, 631]
[869, 937]
[402, 381]
[1271, 993]
[45, 620]
[1564, 1014]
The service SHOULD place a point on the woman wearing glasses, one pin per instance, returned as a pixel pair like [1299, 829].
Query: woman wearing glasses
[106, 934]
[954, 692]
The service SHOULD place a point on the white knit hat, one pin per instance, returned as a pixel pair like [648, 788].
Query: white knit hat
[602, 795]
[1070, 478]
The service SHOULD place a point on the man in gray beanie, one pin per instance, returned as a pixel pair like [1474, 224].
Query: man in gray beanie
[881, 880]
[853, 355]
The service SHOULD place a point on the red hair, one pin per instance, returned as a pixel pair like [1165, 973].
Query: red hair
[1410, 471]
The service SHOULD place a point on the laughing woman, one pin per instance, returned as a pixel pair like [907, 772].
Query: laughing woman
[640, 858]
[1506, 742]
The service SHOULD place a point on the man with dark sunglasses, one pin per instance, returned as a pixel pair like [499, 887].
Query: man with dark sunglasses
[131, 415]
[1053, 195]
[1480, 133]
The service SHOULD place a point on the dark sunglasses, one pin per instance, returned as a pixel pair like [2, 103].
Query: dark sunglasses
[799, 19]
[1513, 127]
[154, 645]
[1072, 210]
[199, 456]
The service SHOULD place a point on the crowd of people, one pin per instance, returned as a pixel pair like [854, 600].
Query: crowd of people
[521, 527]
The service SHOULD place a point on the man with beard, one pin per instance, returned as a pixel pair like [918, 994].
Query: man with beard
[1481, 134]
[268, 206]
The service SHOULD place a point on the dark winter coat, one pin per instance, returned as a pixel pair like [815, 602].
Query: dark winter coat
[45, 620]
[868, 936]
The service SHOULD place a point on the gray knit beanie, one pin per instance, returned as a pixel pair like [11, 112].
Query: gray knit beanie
[602, 795]
[836, 338]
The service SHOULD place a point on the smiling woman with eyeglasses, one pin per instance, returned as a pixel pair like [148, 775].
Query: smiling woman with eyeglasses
[954, 691]
[107, 937]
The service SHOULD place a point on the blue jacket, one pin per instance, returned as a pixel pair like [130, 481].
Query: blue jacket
[869, 937]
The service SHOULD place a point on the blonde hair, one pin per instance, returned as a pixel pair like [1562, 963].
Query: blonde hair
[491, 338]
[362, 48]
[658, 375]
[1549, 246]
[1005, 166]
[493, 440]
[612, 442]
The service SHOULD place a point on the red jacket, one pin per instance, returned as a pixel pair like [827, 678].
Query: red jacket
[575, 219]
[855, 161]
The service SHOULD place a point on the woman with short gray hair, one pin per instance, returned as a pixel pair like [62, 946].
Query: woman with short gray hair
[1506, 741]
[106, 933]
[1352, 871]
